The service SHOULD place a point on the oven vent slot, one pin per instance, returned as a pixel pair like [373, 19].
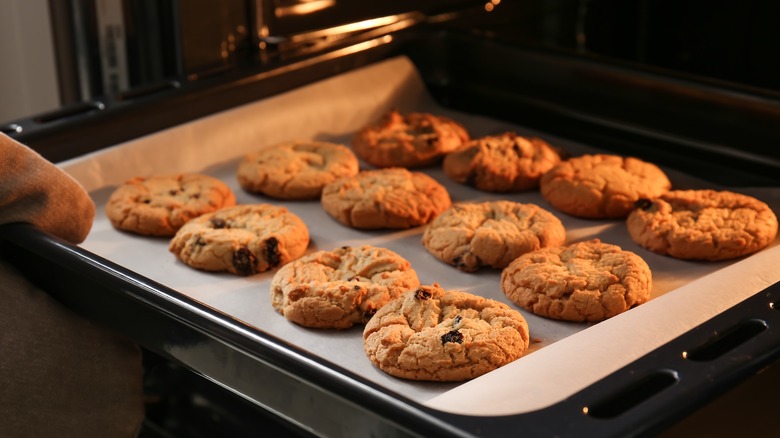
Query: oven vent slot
[74, 110]
[632, 395]
[726, 341]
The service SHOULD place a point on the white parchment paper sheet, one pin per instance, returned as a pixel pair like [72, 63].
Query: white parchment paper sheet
[685, 293]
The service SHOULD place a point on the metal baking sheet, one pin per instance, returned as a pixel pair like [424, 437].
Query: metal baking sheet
[684, 294]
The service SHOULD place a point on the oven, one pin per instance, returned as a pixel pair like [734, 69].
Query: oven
[694, 91]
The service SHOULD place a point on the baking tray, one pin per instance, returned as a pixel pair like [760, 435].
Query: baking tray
[320, 379]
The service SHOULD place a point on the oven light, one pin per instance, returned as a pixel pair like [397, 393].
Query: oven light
[685, 355]
[489, 6]
[585, 410]
[303, 8]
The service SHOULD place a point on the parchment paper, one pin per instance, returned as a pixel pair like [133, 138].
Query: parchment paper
[685, 294]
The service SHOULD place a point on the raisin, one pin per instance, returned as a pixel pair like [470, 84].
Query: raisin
[452, 336]
[272, 252]
[456, 321]
[357, 288]
[518, 151]
[345, 248]
[244, 261]
[422, 294]
[173, 192]
[643, 203]
[218, 222]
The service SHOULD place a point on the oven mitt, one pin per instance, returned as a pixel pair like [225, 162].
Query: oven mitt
[60, 374]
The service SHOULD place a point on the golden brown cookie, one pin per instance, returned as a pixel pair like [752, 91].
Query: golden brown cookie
[408, 140]
[491, 234]
[433, 334]
[702, 224]
[385, 198]
[501, 163]
[295, 170]
[586, 281]
[337, 289]
[160, 205]
[243, 240]
[602, 186]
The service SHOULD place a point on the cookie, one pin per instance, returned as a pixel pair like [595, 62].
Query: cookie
[295, 170]
[491, 234]
[702, 224]
[160, 205]
[432, 334]
[408, 140]
[386, 198]
[337, 289]
[602, 186]
[501, 163]
[243, 240]
[586, 281]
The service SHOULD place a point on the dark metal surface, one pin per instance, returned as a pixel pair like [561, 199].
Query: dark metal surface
[726, 135]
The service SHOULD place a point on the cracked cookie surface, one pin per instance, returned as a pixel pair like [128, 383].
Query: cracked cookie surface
[160, 205]
[243, 240]
[602, 186]
[702, 224]
[295, 170]
[501, 163]
[432, 334]
[340, 288]
[586, 281]
[408, 140]
[386, 198]
[470, 236]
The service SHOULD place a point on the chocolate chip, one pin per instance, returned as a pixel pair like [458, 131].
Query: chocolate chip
[244, 261]
[356, 287]
[422, 294]
[458, 262]
[173, 192]
[218, 222]
[272, 252]
[425, 127]
[452, 336]
[643, 203]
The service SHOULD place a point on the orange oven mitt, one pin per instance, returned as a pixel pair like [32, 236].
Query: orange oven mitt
[60, 374]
